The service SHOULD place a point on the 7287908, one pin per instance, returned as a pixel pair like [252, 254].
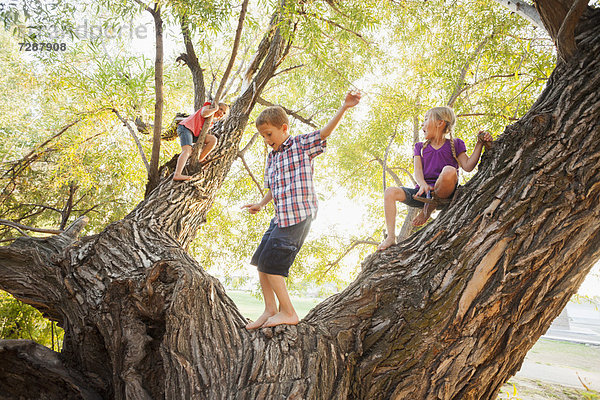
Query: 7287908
[43, 46]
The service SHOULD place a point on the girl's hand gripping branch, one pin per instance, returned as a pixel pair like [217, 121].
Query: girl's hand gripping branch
[486, 138]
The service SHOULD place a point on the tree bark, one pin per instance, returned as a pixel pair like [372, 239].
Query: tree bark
[447, 314]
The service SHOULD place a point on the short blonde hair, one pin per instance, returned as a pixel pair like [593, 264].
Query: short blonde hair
[273, 115]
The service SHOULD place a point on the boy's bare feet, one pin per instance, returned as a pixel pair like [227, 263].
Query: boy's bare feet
[260, 320]
[181, 177]
[281, 318]
[423, 215]
[387, 242]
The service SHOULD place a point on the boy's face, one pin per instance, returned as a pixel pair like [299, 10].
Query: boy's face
[272, 135]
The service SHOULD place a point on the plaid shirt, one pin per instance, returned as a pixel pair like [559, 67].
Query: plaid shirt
[289, 176]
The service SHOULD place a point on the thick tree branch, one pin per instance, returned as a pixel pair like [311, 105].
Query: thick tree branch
[35, 372]
[565, 40]
[524, 10]
[153, 177]
[191, 60]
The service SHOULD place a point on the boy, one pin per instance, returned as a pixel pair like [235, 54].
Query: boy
[188, 131]
[288, 177]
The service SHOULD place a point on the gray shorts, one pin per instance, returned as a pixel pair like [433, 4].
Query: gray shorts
[186, 137]
[279, 246]
[410, 192]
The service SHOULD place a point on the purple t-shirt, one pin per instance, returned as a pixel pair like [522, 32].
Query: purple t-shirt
[435, 160]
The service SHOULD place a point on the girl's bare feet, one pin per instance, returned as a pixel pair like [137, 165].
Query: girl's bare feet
[181, 177]
[423, 215]
[281, 318]
[387, 242]
[260, 320]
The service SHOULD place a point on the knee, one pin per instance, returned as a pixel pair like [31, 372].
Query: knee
[210, 141]
[393, 193]
[186, 150]
[449, 173]
[448, 169]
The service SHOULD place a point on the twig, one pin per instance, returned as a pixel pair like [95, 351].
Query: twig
[327, 21]
[217, 98]
[21, 228]
[135, 139]
[348, 250]
[241, 157]
[307, 121]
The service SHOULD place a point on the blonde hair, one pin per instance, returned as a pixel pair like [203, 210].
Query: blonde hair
[273, 115]
[446, 114]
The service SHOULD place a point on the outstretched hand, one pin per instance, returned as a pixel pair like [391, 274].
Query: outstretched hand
[352, 98]
[252, 208]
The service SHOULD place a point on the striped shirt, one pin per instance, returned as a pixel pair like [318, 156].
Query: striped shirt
[289, 176]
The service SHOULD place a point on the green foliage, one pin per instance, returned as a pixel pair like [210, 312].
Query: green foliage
[405, 57]
[21, 321]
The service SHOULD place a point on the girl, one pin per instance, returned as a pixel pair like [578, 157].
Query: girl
[436, 170]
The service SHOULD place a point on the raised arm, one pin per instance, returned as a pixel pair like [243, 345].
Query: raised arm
[207, 111]
[352, 99]
[469, 163]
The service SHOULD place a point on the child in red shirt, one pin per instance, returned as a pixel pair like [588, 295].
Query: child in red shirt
[188, 131]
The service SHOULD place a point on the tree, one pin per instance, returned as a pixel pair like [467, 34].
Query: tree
[448, 313]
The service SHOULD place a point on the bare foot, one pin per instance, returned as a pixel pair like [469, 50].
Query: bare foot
[387, 242]
[260, 320]
[181, 177]
[281, 318]
[423, 215]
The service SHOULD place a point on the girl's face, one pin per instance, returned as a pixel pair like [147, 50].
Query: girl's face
[432, 127]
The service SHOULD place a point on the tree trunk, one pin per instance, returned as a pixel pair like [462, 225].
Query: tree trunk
[447, 314]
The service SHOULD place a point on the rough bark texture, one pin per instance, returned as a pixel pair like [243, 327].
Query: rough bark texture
[447, 314]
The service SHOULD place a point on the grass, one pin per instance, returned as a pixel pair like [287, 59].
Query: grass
[579, 356]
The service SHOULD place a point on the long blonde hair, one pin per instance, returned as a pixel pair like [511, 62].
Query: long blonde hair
[446, 114]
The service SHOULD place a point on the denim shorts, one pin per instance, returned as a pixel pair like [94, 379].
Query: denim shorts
[186, 137]
[279, 246]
